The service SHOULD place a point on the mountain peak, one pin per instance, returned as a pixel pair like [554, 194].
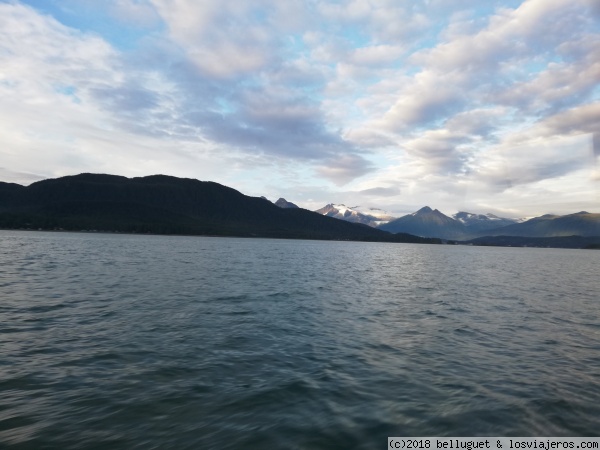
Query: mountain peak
[427, 222]
[283, 203]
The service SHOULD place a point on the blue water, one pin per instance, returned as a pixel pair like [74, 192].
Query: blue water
[126, 342]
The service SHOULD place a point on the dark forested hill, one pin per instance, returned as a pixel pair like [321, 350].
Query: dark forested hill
[164, 204]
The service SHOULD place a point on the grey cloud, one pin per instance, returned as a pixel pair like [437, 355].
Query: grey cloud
[125, 98]
[298, 73]
[284, 128]
[381, 191]
[11, 176]
[476, 122]
[366, 138]
[594, 7]
[562, 85]
[542, 157]
[515, 174]
[345, 168]
[440, 151]
[431, 97]
[583, 119]
[271, 114]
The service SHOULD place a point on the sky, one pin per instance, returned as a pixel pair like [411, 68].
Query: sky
[461, 105]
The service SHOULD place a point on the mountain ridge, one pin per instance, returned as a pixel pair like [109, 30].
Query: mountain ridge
[582, 223]
[167, 205]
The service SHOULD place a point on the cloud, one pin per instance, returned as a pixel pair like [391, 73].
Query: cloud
[223, 38]
[10, 176]
[473, 90]
[441, 150]
[478, 122]
[580, 120]
[381, 191]
[345, 168]
[466, 69]
[70, 103]
[30, 40]
[369, 138]
[271, 116]
[544, 158]
[509, 36]
[428, 98]
[125, 98]
[562, 84]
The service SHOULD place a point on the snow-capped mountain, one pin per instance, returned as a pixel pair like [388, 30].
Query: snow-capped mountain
[479, 222]
[356, 214]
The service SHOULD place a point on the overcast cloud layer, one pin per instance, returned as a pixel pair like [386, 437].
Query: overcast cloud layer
[461, 105]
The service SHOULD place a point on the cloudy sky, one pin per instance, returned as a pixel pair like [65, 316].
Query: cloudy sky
[484, 106]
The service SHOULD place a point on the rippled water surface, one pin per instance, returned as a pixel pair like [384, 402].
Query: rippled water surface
[121, 342]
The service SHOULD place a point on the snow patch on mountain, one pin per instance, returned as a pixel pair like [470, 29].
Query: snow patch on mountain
[356, 214]
[479, 222]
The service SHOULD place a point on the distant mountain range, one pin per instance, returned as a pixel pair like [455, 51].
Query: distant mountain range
[168, 205]
[581, 224]
[376, 217]
[355, 214]
[429, 222]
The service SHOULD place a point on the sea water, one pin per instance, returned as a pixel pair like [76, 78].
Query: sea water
[112, 341]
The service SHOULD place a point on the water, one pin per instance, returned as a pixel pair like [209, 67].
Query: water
[125, 342]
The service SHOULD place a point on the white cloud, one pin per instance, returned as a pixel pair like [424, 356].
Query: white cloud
[376, 55]
[226, 38]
